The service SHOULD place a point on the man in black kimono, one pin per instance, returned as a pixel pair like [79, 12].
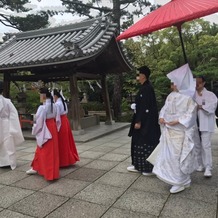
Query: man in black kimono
[145, 129]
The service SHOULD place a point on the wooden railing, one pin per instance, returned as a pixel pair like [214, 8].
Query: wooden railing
[25, 118]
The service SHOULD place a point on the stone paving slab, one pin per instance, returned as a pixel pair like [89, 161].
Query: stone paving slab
[21, 163]
[21, 153]
[100, 131]
[10, 195]
[10, 177]
[100, 194]
[86, 147]
[4, 169]
[75, 209]
[91, 154]
[12, 214]
[24, 167]
[33, 182]
[121, 167]
[102, 164]
[28, 157]
[86, 174]
[83, 162]
[65, 187]
[38, 204]
[119, 213]
[121, 150]
[150, 184]
[179, 207]
[142, 202]
[112, 144]
[203, 193]
[198, 178]
[117, 179]
[102, 149]
[114, 157]
[67, 170]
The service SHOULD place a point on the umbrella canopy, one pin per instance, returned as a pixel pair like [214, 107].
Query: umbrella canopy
[174, 13]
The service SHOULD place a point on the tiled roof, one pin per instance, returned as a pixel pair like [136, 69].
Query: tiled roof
[59, 45]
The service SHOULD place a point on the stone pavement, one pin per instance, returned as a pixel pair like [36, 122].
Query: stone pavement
[90, 133]
[100, 186]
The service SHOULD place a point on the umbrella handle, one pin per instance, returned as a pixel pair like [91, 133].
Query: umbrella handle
[179, 28]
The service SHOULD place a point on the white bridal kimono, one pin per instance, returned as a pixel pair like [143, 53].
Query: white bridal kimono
[10, 133]
[174, 157]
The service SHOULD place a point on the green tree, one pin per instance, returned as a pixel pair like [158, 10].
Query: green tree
[29, 22]
[162, 52]
[121, 15]
[118, 8]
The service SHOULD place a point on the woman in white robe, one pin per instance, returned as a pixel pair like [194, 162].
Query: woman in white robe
[10, 131]
[174, 158]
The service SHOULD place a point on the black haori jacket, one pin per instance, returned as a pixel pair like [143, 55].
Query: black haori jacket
[147, 114]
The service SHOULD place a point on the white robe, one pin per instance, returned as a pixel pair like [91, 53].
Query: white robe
[10, 133]
[206, 117]
[174, 157]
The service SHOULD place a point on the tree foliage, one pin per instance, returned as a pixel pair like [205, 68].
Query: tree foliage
[162, 52]
[29, 22]
[120, 9]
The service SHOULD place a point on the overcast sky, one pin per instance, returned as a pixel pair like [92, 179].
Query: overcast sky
[67, 18]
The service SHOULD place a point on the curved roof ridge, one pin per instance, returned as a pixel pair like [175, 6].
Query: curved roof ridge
[5, 44]
[56, 30]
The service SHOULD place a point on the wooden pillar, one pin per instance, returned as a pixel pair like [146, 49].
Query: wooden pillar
[75, 105]
[109, 119]
[6, 88]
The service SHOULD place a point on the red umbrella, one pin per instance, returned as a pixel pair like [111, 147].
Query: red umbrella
[174, 13]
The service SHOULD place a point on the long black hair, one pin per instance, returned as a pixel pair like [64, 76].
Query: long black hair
[45, 91]
[58, 94]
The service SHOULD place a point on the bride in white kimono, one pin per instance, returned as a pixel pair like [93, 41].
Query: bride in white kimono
[174, 158]
[10, 131]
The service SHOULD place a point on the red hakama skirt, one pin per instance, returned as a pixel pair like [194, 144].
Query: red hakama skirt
[46, 160]
[67, 149]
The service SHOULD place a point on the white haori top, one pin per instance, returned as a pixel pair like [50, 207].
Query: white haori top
[40, 129]
[206, 117]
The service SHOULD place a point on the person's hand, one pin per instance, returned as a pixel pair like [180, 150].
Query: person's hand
[133, 106]
[199, 107]
[137, 125]
[173, 123]
[161, 121]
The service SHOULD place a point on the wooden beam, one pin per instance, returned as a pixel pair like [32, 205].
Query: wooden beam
[105, 94]
[6, 88]
[74, 103]
[54, 77]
